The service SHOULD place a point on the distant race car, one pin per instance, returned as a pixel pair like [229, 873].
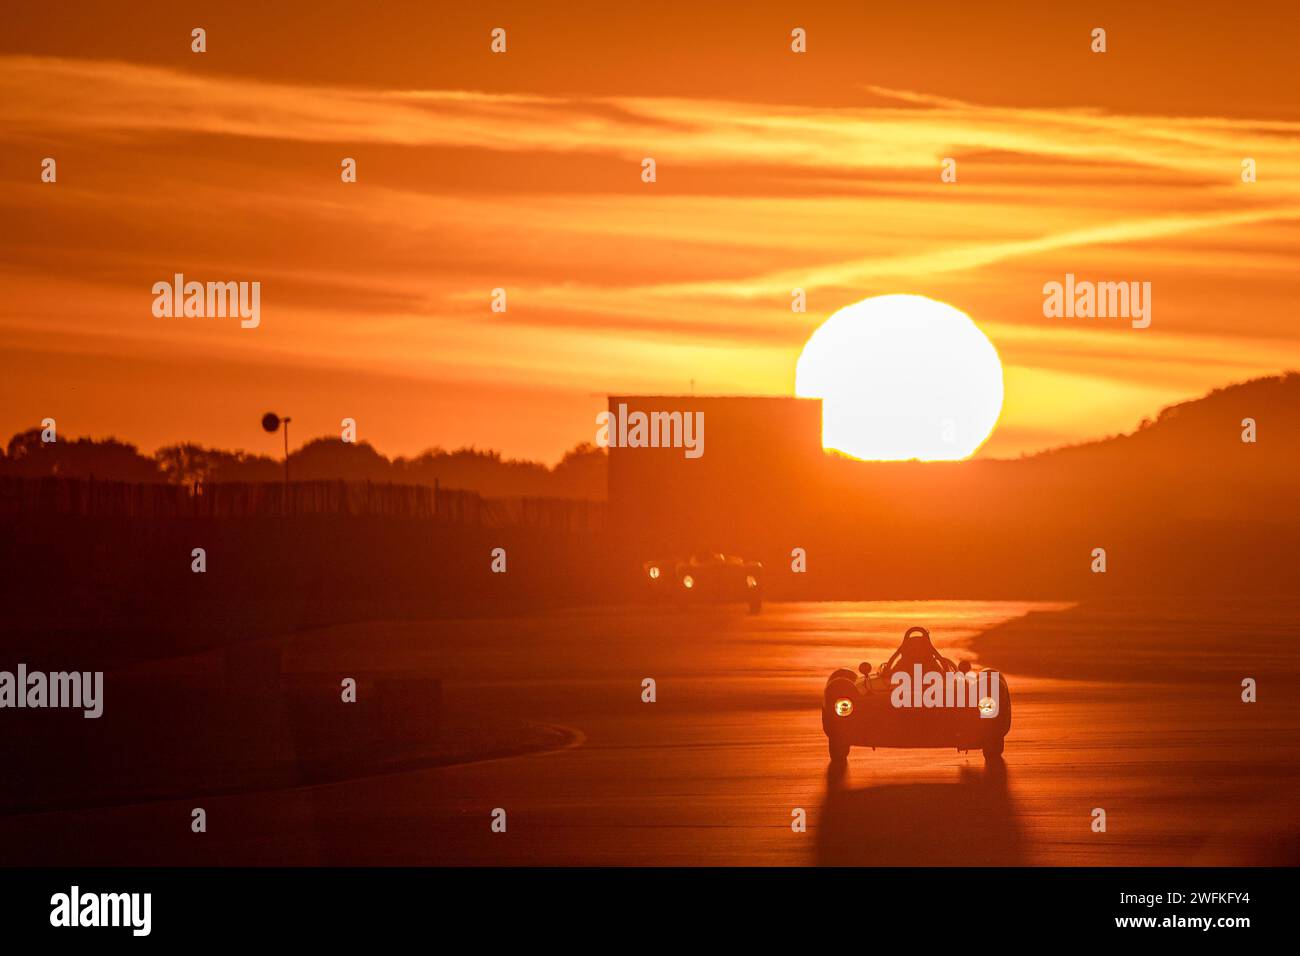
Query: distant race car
[707, 577]
[918, 698]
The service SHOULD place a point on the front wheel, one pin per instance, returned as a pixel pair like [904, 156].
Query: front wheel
[839, 749]
[993, 749]
[755, 604]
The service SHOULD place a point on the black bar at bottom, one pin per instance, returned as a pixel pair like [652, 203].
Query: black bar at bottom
[616, 906]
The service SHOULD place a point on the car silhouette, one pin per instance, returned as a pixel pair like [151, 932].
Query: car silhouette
[918, 698]
[706, 577]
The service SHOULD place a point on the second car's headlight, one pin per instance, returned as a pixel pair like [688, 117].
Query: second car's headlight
[843, 707]
[654, 573]
[751, 581]
[688, 582]
[988, 707]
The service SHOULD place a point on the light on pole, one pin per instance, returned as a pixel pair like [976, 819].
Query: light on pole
[270, 422]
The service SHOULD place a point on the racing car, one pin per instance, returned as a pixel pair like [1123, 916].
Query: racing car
[918, 698]
[706, 576]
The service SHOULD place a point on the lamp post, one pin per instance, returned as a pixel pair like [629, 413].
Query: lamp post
[270, 422]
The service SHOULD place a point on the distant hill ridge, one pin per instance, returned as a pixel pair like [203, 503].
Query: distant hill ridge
[1200, 436]
[1273, 403]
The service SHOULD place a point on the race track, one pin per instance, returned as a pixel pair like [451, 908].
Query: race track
[712, 771]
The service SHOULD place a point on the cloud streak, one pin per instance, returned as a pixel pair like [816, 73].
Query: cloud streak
[614, 281]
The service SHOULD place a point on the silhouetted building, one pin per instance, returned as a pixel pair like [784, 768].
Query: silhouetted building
[741, 481]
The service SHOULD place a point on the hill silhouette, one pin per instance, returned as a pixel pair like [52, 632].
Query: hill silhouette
[1275, 399]
[1188, 461]
[1181, 506]
[1182, 502]
[1192, 455]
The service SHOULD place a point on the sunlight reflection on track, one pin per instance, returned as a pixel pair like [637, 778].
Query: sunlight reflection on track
[710, 773]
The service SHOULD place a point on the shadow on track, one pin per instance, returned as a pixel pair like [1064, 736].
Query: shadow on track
[968, 823]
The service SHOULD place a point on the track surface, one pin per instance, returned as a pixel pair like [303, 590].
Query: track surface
[712, 771]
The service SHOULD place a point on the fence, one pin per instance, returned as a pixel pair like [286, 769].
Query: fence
[23, 497]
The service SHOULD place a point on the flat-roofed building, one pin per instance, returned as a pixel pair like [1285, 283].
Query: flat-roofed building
[715, 473]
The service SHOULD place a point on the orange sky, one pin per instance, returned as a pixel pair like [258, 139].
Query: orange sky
[522, 170]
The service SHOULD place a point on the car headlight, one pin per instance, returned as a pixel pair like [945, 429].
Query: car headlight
[843, 707]
[751, 581]
[988, 707]
[654, 574]
[688, 582]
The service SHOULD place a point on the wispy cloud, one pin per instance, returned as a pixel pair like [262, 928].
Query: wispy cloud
[611, 280]
[45, 93]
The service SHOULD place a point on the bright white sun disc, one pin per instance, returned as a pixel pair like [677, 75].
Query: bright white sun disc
[900, 377]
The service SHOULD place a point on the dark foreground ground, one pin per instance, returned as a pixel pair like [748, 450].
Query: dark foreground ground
[1133, 709]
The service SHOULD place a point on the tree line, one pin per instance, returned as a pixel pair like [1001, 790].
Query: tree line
[580, 474]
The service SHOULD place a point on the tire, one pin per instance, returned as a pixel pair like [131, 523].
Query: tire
[996, 746]
[755, 604]
[839, 749]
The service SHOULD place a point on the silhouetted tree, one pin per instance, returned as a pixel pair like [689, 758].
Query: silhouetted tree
[333, 459]
[580, 474]
[190, 463]
[109, 459]
[482, 471]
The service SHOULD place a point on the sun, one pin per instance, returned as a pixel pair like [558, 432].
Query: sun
[900, 377]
